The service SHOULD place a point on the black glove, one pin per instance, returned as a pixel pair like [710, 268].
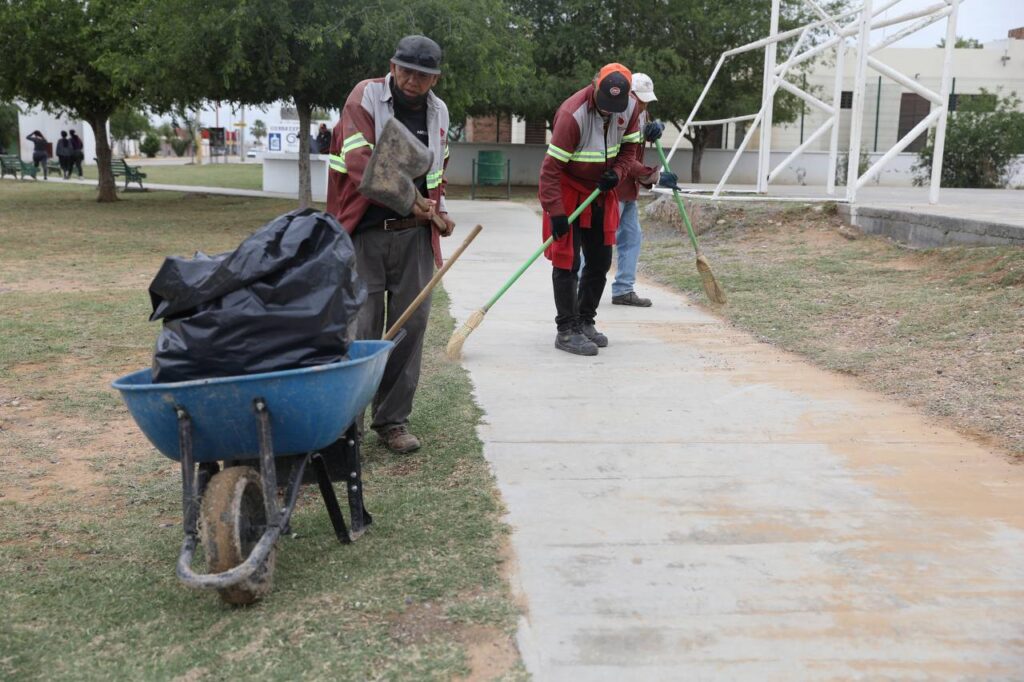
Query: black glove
[653, 131]
[609, 180]
[559, 226]
[668, 179]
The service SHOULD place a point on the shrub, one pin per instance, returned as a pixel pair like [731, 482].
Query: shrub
[150, 145]
[983, 137]
[179, 146]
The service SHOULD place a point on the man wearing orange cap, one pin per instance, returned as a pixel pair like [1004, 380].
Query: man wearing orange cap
[593, 145]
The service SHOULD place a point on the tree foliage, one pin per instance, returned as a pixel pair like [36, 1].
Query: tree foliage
[961, 42]
[676, 43]
[66, 57]
[8, 125]
[258, 130]
[128, 123]
[983, 138]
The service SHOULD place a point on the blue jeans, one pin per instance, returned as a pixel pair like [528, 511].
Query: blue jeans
[627, 243]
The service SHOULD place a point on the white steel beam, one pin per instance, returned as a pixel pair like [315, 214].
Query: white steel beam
[768, 99]
[940, 129]
[857, 115]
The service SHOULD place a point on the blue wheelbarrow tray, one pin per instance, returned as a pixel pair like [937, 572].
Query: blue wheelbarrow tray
[309, 408]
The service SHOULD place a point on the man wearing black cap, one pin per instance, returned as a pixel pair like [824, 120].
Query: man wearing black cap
[593, 144]
[396, 254]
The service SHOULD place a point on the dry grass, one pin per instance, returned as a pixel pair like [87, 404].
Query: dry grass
[941, 329]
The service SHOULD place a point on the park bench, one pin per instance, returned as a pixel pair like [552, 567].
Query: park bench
[10, 164]
[129, 173]
[53, 166]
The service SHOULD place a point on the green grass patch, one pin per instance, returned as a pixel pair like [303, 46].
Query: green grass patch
[233, 175]
[88, 576]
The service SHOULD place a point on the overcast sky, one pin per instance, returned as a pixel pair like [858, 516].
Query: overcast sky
[982, 19]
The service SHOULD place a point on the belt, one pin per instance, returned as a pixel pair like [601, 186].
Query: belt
[395, 224]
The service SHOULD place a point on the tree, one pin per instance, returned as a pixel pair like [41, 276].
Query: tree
[313, 52]
[677, 43]
[969, 43]
[67, 61]
[128, 123]
[9, 126]
[983, 138]
[258, 130]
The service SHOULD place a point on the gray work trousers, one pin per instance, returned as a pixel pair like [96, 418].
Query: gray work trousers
[395, 266]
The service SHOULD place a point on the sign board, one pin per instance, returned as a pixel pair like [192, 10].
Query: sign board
[284, 137]
[217, 137]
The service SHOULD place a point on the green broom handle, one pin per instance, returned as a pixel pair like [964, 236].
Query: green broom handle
[679, 202]
[540, 250]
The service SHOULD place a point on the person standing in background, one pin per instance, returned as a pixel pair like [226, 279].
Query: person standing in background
[65, 154]
[78, 156]
[40, 151]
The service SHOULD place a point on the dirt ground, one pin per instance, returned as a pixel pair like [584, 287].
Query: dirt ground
[938, 329]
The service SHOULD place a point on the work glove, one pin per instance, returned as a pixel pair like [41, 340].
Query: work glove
[559, 226]
[653, 131]
[668, 180]
[609, 180]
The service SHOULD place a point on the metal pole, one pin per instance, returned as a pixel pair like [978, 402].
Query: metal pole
[837, 97]
[857, 115]
[803, 109]
[940, 129]
[878, 106]
[767, 101]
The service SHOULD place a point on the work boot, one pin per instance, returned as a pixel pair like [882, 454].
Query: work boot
[572, 341]
[398, 439]
[588, 330]
[631, 299]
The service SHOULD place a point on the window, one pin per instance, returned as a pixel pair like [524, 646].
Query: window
[846, 99]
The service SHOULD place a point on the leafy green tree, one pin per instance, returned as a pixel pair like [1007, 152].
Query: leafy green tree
[983, 138]
[9, 126]
[677, 43]
[313, 52]
[127, 123]
[150, 145]
[969, 43]
[66, 57]
[258, 130]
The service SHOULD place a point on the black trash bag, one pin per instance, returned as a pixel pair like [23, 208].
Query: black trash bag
[283, 299]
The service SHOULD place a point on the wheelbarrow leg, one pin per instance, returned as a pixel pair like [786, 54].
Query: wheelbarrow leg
[189, 492]
[353, 467]
[323, 479]
[268, 470]
[344, 456]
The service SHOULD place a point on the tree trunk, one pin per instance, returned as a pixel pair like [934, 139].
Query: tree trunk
[698, 140]
[305, 189]
[698, 155]
[107, 188]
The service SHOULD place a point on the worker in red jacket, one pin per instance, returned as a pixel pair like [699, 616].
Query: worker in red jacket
[593, 145]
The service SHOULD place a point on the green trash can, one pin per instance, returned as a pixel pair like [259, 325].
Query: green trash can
[491, 168]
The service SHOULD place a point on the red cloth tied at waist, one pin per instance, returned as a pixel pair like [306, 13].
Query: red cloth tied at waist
[574, 193]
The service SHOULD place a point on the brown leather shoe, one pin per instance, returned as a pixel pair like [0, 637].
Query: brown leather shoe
[399, 440]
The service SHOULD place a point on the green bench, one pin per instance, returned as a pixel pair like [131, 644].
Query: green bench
[129, 173]
[11, 164]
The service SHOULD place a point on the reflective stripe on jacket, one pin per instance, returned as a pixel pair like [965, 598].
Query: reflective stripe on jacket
[368, 108]
[582, 149]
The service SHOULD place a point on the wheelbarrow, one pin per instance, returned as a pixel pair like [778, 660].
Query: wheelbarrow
[236, 436]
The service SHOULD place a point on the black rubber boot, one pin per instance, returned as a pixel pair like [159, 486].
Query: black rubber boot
[572, 341]
[588, 330]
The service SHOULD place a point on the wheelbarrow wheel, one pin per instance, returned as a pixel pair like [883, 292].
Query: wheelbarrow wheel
[232, 519]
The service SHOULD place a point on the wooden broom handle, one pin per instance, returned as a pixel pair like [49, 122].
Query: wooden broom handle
[431, 284]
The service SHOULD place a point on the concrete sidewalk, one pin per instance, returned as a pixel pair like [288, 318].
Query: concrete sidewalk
[692, 504]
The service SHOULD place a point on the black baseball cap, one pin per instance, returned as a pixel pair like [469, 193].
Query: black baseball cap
[612, 90]
[419, 53]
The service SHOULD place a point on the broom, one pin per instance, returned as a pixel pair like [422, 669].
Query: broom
[454, 348]
[431, 284]
[707, 277]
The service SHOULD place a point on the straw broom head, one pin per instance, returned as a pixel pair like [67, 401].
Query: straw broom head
[707, 277]
[454, 348]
